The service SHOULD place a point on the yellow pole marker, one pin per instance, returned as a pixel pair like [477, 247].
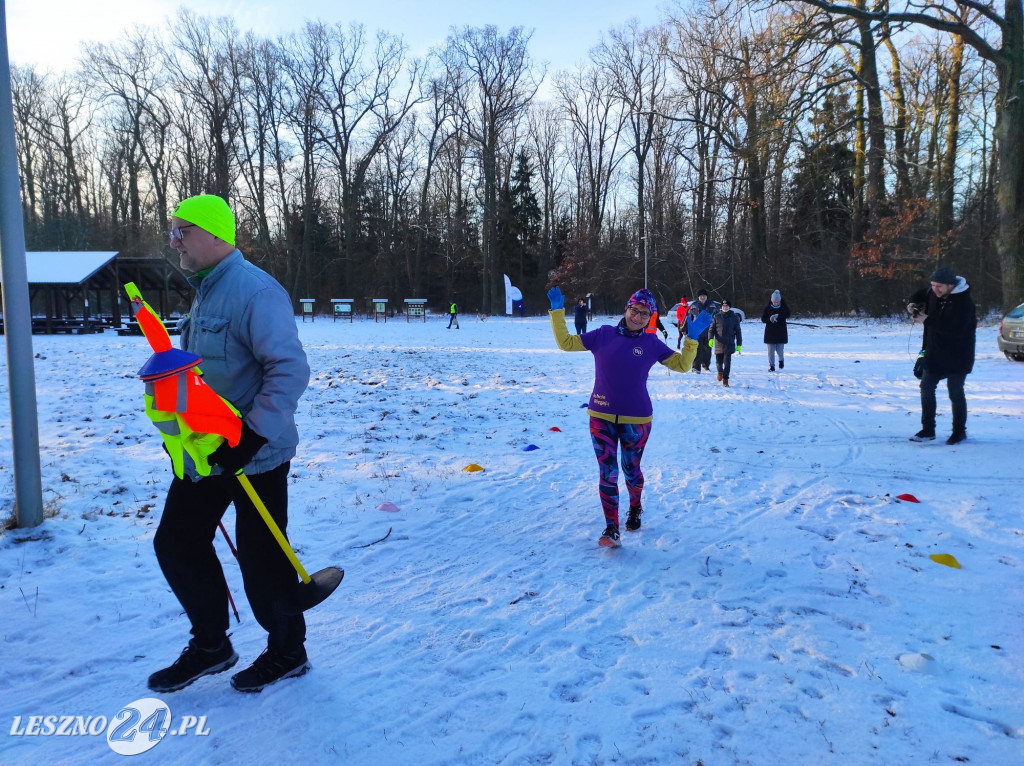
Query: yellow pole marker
[272, 525]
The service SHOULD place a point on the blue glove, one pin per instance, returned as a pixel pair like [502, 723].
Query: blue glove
[698, 324]
[556, 298]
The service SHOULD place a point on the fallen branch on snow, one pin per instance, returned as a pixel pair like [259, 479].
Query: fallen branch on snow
[375, 541]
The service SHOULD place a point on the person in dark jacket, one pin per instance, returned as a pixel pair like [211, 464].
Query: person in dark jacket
[700, 306]
[728, 338]
[776, 335]
[581, 316]
[950, 322]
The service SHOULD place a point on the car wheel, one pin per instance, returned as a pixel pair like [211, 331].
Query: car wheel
[1014, 357]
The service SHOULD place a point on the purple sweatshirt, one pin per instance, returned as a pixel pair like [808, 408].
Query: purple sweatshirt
[621, 364]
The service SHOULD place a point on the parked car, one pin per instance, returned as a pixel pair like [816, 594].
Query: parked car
[670, 316]
[1011, 334]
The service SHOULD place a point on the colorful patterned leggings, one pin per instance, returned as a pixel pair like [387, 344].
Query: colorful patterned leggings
[607, 438]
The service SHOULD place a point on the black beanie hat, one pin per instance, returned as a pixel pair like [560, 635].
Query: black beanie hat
[701, 292]
[944, 276]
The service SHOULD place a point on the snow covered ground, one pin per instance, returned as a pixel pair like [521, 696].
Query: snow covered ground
[779, 605]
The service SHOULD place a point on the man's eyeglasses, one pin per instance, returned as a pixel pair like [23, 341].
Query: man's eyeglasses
[177, 232]
[635, 311]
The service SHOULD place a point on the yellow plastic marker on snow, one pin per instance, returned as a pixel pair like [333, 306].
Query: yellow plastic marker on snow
[945, 559]
[473, 468]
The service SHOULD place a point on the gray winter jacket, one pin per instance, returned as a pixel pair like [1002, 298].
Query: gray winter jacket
[242, 324]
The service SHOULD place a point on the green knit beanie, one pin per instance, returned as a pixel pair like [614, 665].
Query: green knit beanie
[209, 212]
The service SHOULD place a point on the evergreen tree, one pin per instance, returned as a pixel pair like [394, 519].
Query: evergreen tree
[822, 190]
[519, 228]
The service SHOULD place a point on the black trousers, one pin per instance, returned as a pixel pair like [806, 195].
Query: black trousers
[957, 400]
[703, 357]
[184, 549]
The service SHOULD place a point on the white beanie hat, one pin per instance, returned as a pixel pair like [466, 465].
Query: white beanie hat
[776, 297]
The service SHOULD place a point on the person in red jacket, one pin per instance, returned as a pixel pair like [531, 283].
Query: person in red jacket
[681, 310]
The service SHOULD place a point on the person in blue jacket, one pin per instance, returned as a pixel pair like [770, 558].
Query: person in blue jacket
[243, 326]
[620, 408]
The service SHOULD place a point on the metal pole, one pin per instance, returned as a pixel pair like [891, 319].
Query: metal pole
[28, 492]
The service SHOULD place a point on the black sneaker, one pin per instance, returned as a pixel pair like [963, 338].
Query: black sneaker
[771, 368]
[633, 520]
[782, 364]
[924, 435]
[269, 668]
[610, 537]
[194, 662]
[956, 437]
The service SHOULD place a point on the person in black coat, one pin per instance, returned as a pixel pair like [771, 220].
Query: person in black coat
[776, 334]
[581, 316]
[725, 330]
[950, 322]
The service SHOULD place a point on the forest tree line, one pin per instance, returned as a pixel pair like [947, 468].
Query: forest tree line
[838, 152]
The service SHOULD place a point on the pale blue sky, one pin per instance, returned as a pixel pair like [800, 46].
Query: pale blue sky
[48, 32]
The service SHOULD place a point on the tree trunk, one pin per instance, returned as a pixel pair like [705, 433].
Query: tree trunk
[1010, 141]
[947, 162]
[868, 73]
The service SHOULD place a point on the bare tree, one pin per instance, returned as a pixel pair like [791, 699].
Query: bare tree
[363, 103]
[28, 90]
[438, 127]
[595, 127]
[260, 151]
[693, 55]
[500, 84]
[131, 79]
[1007, 56]
[635, 63]
[547, 137]
[206, 72]
[305, 62]
[72, 119]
